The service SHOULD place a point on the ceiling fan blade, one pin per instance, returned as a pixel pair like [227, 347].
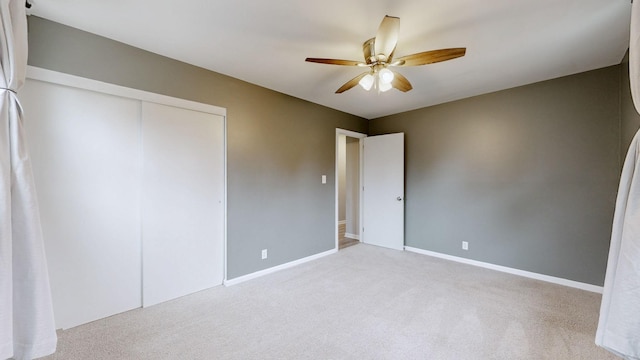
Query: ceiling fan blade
[351, 83]
[336, 62]
[400, 82]
[387, 36]
[430, 57]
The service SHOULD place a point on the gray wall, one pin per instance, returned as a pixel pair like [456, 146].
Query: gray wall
[278, 146]
[528, 176]
[353, 186]
[342, 178]
[630, 120]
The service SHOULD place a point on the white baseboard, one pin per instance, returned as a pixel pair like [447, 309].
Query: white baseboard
[342, 222]
[352, 236]
[271, 270]
[528, 274]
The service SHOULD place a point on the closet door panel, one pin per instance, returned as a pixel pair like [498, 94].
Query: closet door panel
[182, 201]
[84, 147]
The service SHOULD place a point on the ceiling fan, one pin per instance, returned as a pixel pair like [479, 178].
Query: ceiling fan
[378, 57]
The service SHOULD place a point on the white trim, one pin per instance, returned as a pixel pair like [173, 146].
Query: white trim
[59, 78]
[361, 190]
[271, 270]
[360, 136]
[342, 222]
[226, 206]
[352, 236]
[508, 270]
[350, 133]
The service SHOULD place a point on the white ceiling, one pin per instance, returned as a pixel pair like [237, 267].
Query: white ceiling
[509, 42]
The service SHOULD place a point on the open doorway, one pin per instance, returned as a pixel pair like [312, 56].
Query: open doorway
[348, 187]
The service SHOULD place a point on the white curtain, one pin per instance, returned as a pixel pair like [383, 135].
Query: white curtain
[27, 329]
[619, 325]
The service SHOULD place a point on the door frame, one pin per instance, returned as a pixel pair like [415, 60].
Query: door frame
[359, 136]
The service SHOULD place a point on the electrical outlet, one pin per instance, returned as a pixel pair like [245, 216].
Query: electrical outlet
[264, 254]
[465, 245]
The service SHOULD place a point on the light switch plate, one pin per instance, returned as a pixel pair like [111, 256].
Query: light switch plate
[324, 179]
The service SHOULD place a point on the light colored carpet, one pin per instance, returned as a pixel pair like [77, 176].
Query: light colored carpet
[364, 302]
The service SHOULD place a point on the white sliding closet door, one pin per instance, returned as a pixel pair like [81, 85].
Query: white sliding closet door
[84, 147]
[131, 194]
[182, 201]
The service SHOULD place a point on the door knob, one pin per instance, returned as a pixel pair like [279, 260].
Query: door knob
[399, 198]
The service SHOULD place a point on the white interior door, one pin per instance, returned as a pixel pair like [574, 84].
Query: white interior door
[383, 194]
[182, 202]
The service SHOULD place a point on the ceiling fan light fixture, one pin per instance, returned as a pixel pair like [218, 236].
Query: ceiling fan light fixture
[382, 86]
[367, 82]
[386, 76]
